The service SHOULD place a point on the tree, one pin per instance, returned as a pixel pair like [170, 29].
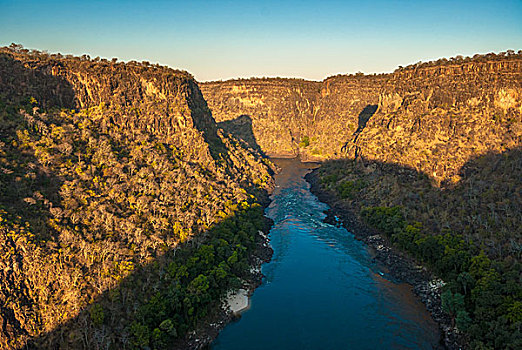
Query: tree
[452, 303]
[466, 281]
[463, 320]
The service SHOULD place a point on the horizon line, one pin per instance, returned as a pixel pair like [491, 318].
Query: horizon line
[331, 75]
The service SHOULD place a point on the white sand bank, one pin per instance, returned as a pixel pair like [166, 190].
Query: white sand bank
[238, 301]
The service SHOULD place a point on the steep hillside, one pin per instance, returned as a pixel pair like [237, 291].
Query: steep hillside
[105, 168]
[468, 234]
[435, 119]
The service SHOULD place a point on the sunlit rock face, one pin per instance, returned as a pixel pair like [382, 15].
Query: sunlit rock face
[430, 116]
[280, 110]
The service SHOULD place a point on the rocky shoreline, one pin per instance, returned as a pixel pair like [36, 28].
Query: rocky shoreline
[208, 329]
[396, 263]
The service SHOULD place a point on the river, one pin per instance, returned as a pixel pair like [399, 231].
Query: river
[321, 290]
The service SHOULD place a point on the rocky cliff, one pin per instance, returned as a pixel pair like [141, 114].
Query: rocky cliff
[137, 96]
[431, 116]
[435, 119]
[295, 117]
[279, 111]
[105, 169]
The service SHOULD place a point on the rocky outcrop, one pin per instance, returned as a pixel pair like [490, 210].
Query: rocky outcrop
[162, 101]
[435, 119]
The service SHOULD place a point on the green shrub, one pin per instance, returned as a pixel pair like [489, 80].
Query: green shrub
[385, 219]
[97, 315]
[305, 142]
[140, 334]
[332, 178]
[347, 189]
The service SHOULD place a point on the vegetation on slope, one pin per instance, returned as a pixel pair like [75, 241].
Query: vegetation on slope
[468, 234]
[96, 202]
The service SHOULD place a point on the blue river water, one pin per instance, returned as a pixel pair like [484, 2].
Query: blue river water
[321, 290]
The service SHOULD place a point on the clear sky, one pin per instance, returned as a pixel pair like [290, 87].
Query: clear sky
[225, 39]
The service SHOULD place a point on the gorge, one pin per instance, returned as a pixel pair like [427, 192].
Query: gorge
[132, 196]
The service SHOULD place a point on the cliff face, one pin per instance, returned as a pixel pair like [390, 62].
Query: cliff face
[435, 119]
[432, 117]
[345, 106]
[280, 111]
[105, 168]
[162, 101]
[295, 117]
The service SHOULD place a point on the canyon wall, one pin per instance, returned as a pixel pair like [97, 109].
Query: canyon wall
[280, 111]
[435, 119]
[105, 169]
[165, 102]
[430, 116]
[290, 117]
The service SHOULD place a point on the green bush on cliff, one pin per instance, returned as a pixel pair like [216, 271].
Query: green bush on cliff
[305, 142]
[97, 314]
[329, 179]
[386, 219]
[347, 189]
[453, 305]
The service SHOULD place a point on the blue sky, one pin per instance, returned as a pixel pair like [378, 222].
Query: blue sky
[226, 39]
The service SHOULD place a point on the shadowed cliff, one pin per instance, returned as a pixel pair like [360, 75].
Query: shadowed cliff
[241, 129]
